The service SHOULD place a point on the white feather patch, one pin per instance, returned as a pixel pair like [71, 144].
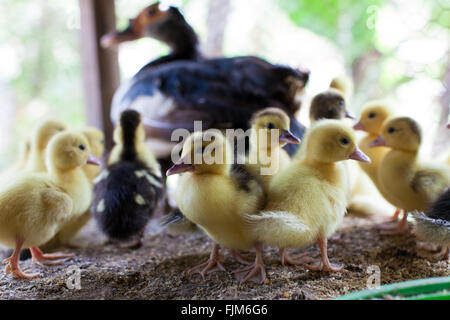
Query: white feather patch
[103, 175]
[149, 177]
[101, 206]
[139, 199]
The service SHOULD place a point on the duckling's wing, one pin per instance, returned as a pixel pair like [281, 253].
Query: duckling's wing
[249, 187]
[430, 182]
[278, 228]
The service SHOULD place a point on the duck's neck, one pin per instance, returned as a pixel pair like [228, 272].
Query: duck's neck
[328, 171]
[401, 158]
[181, 39]
[68, 179]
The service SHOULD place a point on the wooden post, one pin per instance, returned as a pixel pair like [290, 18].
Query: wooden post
[101, 75]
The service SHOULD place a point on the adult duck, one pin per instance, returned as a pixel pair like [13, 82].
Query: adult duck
[174, 90]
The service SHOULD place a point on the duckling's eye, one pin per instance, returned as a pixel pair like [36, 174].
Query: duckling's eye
[391, 130]
[60, 129]
[372, 115]
[151, 11]
[270, 126]
[344, 141]
[82, 147]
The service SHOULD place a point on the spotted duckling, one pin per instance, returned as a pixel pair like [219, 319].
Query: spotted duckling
[127, 191]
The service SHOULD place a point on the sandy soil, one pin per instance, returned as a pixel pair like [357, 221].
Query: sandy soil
[156, 270]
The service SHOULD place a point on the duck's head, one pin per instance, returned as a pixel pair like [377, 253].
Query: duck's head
[129, 129]
[67, 151]
[45, 131]
[401, 133]
[272, 123]
[329, 104]
[157, 21]
[372, 118]
[330, 141]
[204, 152]
[96, 140]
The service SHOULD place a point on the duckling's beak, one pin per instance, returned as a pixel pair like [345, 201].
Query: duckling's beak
[359, 126]
[93, 160]
[288, 137]
[180, 167]
[348, 114]
[358, 155]
[114, 38]
[379, 142]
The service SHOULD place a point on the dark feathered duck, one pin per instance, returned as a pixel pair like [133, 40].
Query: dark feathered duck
[434, 225]
[173, 91]
[127, 191]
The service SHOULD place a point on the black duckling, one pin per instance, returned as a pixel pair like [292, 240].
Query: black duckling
[127, 191]
[434, 226]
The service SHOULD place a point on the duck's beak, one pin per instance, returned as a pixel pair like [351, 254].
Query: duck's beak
[93, 160]
[358, 155]
[379, 142]
[359, 126]
[288, 137]
[180, 167]
[112, 39]
[348, 114]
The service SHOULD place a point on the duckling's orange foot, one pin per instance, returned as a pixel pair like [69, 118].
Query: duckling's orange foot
[399, 228]
[15, 270]
[299, 260]
[256, 272]
[39, 256]
[212, 265]
[241, 258]
[443, 254]
[325, 267]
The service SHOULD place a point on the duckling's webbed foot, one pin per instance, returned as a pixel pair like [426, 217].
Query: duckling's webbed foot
[13, 263]
[39, 256]
[213, 264]
[241, 258]
[285, 259]
[254, 270]
[442, 254]
[324, 264]
[400, 227]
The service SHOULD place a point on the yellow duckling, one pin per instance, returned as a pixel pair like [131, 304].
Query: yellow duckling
[307, 201]
[215, 196]
[270, 132]
[411, 185]
[34, 206]
[39, 140]
[373, 115]
[345, 85]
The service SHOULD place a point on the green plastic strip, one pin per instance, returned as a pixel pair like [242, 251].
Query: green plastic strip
[426, 289]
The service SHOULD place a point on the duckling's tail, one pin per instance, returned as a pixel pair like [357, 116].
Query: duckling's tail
[176, 223]
[278, 228]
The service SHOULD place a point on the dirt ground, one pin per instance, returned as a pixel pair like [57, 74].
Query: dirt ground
[156, 270]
